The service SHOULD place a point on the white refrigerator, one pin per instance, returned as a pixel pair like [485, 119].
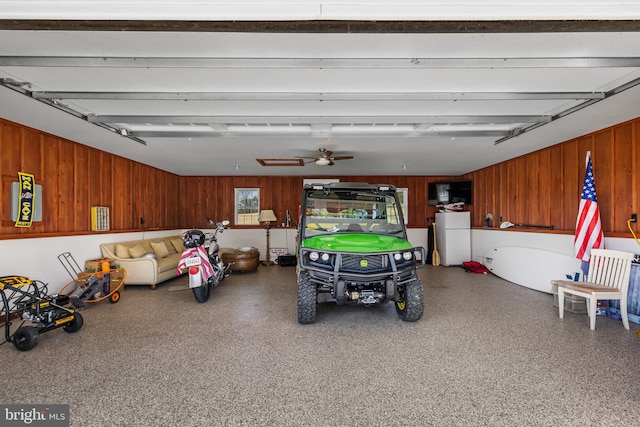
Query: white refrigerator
[453, 237]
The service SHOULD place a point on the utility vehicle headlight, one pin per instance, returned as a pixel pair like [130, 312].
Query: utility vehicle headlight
[313, 256]
[325, 257]
[397, 256]
[407, 256]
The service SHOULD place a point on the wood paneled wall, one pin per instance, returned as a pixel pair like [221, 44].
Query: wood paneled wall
[543, 188]
[213, 196]
[75, 177]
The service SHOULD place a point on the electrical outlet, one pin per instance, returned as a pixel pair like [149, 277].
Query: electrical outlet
[634, 217]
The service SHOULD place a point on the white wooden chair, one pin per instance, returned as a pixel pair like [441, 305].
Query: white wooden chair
[608, 279]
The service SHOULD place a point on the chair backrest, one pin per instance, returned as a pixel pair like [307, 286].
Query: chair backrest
[610, 268]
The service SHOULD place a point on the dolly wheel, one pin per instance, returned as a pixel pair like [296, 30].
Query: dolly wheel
[115, 297]
[25, 338]
[75, 324]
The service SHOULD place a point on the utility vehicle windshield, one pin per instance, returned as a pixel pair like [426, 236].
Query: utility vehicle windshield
[351, 211]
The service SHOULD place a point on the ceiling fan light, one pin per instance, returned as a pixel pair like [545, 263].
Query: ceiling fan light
[322, 162]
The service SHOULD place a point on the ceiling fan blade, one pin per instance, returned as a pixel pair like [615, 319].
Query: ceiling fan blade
[324, 156]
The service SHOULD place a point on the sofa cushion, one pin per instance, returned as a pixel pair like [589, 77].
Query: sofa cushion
[178, 245]
[122, 251]
[169, 246]
[137, 251]
[159, 249]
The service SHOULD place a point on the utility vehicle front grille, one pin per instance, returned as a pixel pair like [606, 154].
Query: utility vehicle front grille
[364, 263]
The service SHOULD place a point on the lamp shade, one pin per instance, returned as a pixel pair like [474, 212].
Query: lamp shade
[267, 215]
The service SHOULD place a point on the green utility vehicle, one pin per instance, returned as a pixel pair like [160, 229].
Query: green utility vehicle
[353, 249]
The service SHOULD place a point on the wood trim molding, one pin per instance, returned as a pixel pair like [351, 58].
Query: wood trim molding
[328, 26]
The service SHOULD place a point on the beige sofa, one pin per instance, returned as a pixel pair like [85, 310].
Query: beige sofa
[137, 258]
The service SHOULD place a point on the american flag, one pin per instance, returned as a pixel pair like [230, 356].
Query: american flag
[588, 226]
[199, 251]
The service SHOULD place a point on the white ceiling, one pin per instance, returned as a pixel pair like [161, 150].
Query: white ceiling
[211, 103]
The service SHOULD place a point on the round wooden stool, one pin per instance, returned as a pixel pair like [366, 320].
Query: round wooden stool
[240, 260]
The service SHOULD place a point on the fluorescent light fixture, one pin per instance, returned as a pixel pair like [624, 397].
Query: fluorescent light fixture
[276, 129]
[371, 128]
[472, 127]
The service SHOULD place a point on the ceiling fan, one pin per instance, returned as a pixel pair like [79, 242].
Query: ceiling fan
[325, 158]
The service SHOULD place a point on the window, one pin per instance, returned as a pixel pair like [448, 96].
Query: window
[247, 206]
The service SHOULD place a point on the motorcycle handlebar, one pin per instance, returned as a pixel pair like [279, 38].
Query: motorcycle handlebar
[210, 235]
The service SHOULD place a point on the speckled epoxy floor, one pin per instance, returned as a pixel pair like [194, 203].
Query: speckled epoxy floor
[487, 352]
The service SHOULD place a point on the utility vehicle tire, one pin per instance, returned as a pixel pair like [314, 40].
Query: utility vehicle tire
[307, 299]
[201, 293]
[75, 325]
[410, 305]
[25, 338]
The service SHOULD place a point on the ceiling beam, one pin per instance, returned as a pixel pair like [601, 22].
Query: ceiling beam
[564, 113]
[317, 63]
[315, 96]
[410, 134]
[158, 119]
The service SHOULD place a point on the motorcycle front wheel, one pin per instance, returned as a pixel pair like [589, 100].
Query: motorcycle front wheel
[201, 293]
